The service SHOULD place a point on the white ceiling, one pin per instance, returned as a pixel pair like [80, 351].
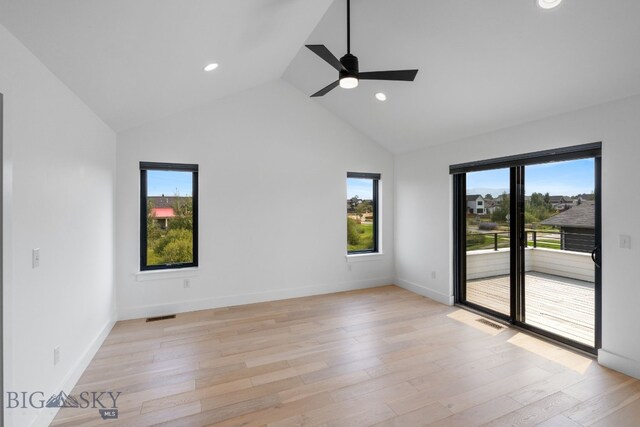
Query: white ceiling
[133, 61]
[484, 65]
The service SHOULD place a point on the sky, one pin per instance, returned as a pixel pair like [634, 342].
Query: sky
[360, 187]
[567, 178]
[169, 183]
[558, 179]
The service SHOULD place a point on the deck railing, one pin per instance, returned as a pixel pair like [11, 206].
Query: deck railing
[548, 239]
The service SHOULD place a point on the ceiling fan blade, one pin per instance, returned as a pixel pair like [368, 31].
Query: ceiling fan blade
[401, 75]
[326, 90]
[324, 53]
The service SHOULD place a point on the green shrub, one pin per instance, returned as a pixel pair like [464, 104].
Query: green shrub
[353, 237]
[173, 247]
[530, 218]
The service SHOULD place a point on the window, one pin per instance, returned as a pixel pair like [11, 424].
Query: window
[362, 212]
[168, 216]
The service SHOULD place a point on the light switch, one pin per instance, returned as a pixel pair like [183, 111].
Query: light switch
[35, 258]
[625, 241]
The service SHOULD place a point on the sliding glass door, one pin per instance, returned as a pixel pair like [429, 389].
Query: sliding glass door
[487, 241]
[560, 225]
[527, 238]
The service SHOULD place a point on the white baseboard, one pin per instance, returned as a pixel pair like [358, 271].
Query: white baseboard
[619, 363]
[425, 292]
[46, 415]
[250, 298]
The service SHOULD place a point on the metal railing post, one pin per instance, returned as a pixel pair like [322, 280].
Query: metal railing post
[535, 239]
[495, 241]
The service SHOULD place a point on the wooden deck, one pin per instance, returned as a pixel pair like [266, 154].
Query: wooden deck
[557, 304]
[383, 356]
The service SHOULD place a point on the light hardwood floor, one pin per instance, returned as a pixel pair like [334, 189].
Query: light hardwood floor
[381, 356]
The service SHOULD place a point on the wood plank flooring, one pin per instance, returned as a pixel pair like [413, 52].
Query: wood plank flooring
[383, 356]
[557, 304]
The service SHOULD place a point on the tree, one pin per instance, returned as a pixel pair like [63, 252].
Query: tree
[537, 199]
[538, 208]
[502, 210]
[183, 211]
[488, 196]
[353, 203]
[364, 207]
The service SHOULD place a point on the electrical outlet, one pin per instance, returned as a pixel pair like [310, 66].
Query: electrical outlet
[186, 284]
[35, 258]
[625, 241]
[56, 355]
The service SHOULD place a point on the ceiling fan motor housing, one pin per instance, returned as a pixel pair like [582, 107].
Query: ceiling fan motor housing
[350, 63]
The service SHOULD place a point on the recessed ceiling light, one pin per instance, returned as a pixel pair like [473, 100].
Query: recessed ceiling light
[381, 96]
[548, 4]
[211, 67]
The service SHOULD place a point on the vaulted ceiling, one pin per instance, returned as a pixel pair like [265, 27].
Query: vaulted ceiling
[484, 65]
[134, 61]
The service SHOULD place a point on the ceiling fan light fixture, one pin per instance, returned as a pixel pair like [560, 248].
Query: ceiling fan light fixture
[548, 4]
[211, 67]
[348, 82]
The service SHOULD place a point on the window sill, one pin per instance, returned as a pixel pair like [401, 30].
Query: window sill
[365, 257]
[179, 273]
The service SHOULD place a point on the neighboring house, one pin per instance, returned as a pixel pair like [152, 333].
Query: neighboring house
[490, 205]
[162, 208]
[162, 216]
[577, 227]
[561, 203]
[475, 204]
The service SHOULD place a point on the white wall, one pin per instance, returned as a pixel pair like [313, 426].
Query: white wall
[423, 232]
[489, 263]
[58, 196]
[272, 177]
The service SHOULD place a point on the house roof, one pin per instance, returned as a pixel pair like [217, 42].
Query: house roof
[165, 201]
[473, 197]
[162, 213]
[560, 199]
[580, 216]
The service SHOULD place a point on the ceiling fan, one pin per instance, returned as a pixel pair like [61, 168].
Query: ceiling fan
[347, 66]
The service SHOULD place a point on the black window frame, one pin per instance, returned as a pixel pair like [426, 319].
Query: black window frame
[375, 177]
[173, 167]
[516, 164]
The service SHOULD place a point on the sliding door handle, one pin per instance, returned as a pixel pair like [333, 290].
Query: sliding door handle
[594, 254]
